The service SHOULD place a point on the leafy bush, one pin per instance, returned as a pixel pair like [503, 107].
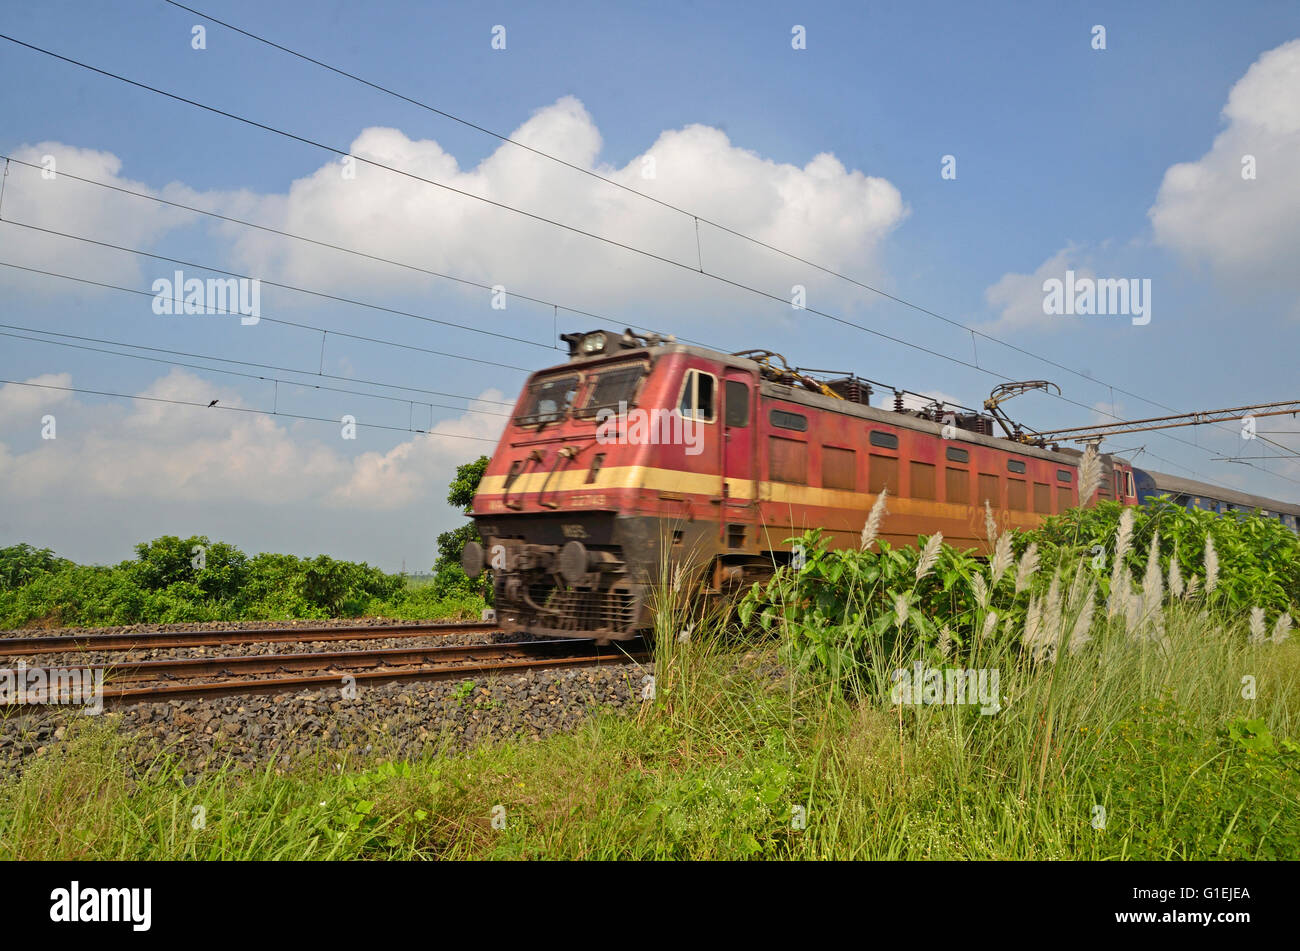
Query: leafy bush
[20, 564]
[1259, 557]
[176, 580]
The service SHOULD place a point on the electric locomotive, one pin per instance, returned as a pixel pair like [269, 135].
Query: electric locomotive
[643, 459]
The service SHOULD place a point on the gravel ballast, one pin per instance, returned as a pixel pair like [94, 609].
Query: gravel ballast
[371, 720]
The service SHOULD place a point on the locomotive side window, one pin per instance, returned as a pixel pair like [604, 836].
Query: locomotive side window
[922, 475]
[787, 460]
[737, 409]
[883, 440]
[783, 420]
[957, 488]
[839, 468]
[1017, 495]
[1015, 465]
[548, 400]
[611, 387]
[990, 491]
[1064, 498]
[882, 473]
[957, 455]
[697, 402]
[1128, 479]
[1064, 475]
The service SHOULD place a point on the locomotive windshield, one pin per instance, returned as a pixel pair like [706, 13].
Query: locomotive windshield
[548, 400]
[611, 387]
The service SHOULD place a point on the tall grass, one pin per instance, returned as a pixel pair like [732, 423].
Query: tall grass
[1131, 720]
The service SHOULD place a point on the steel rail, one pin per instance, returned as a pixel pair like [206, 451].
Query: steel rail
[153, 640]
[202, 689]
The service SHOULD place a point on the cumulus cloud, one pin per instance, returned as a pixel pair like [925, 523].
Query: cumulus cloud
[61, 203]
[23, 405]
[823, 211]
[157, 451]
[1244, 229]
[1017, 299]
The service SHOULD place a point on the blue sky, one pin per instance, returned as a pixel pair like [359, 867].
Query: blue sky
[1062, 154]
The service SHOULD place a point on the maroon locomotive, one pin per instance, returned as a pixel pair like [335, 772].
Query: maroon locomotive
[643, 459]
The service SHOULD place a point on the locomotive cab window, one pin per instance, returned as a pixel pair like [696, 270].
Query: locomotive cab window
[698, 391]
[548, 401]
[612, 386]
[737, 408]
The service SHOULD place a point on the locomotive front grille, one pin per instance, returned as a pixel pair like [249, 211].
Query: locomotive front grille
[578, 609]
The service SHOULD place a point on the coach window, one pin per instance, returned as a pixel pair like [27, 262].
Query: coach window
[697, 396]
[737, 408]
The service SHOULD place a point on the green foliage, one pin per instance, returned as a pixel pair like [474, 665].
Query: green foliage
[450, 580]
[1259, 557]
[1181, 789]
[20, 564]
[845, 604]
[172, 581]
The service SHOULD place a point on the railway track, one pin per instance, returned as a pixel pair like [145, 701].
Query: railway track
[162, 640]
[131, 681]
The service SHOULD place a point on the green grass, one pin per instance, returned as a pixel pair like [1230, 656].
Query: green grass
[1169, 734]
[715, 765]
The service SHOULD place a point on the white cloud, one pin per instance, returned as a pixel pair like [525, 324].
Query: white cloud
[822, 211]
[24, 405]
[1245, 230]
[1017, 299]
[153, 452]
[64, 204]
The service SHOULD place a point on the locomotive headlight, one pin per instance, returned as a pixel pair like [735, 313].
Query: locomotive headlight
[593, 343]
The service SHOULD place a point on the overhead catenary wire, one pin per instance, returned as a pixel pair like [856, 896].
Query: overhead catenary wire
[694, 215]
[514, 294]
[218, 270]
[580, 231]
[236, 409]
[272, 320]
[251, 376]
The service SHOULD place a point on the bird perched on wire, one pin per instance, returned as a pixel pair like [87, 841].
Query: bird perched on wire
[213, 403]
